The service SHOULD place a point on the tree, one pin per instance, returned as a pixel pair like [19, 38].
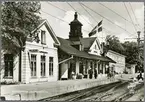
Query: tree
[114, 43]
[132, 53]
[129, 49]
[18, 20]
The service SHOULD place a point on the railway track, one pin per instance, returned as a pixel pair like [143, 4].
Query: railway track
[127, 94]
[89, 93]
[101, 95]
[113, 92]
[78, 95]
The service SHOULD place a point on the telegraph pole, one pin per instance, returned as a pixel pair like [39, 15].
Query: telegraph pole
[138, 41]
[139, 46]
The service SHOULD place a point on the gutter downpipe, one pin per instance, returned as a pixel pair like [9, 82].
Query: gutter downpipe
[66, 59]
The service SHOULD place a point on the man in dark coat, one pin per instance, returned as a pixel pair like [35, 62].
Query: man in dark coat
[90, 73]
[95, 73]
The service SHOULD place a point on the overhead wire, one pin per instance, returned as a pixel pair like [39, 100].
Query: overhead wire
[57, 17]
[129, 15]
[116, 13]
[106, 19]
[92, 16]
[134, 15]
[56, 7]
[87, 12]
[79, 14]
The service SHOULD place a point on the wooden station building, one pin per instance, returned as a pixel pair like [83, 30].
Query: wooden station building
[77, 55]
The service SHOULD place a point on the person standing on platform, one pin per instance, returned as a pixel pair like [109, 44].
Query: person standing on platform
[95, 73]
[90, 73]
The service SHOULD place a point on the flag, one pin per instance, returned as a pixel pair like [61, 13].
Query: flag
[96, 28]
[100, 23]
[92, 33]
[99, 29]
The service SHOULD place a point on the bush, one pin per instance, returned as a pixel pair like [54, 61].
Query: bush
[9, 83]
[79, 76]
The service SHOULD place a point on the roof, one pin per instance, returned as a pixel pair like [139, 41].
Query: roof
[41, 21]
[87, 42]
[116, 53]
[65, 46]
[50, 30]
[76, 21]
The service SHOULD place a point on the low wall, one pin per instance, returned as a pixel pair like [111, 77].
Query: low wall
[48, 92]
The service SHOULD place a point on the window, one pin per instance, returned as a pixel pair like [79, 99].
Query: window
[50, 66]
[8, 60]
[95, 47]
[43, 65]
[43, 37]
[98, 68]
[33, 65]
[102, 68]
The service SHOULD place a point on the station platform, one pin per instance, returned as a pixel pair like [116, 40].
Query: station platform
[37, 91]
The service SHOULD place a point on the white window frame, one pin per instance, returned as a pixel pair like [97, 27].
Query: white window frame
[51, 66]
[43, 66]
[43, 37]
[34, 67]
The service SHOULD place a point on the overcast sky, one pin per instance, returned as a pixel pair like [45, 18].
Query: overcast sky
[60, 14]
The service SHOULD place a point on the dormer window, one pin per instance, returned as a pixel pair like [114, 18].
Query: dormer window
[43, 37]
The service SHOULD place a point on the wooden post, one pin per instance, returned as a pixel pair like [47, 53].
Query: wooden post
[20, 62]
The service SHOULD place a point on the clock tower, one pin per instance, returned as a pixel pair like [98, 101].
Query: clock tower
[75, 29]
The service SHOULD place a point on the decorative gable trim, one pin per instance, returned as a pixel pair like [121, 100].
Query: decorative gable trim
[50, 30]
[98, 43]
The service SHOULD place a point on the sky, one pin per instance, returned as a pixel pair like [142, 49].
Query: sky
[122, 19]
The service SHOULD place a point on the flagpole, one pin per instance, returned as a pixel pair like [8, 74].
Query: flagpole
[102, 31]
[102, 36]
[96, 32]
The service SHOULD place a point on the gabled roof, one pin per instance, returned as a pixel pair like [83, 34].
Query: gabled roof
[45, 22]
[87, 42]
[65, 46]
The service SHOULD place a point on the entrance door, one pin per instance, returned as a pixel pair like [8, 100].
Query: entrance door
[59, 72]
[81, 68]
[72, 68]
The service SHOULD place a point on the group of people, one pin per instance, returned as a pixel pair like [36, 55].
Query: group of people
[90, 72]
[111, 74]
[94, 72]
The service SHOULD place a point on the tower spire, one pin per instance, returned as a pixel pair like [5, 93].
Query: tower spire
[76, 16]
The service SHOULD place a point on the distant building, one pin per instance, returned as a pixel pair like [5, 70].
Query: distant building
[79, 55]
[119, 66]
[130, 68]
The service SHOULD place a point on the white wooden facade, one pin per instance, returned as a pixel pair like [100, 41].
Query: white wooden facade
[37, 58]
[119, 66]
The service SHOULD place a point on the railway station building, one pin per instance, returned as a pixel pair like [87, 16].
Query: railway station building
[50, 58]
[78, 55]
